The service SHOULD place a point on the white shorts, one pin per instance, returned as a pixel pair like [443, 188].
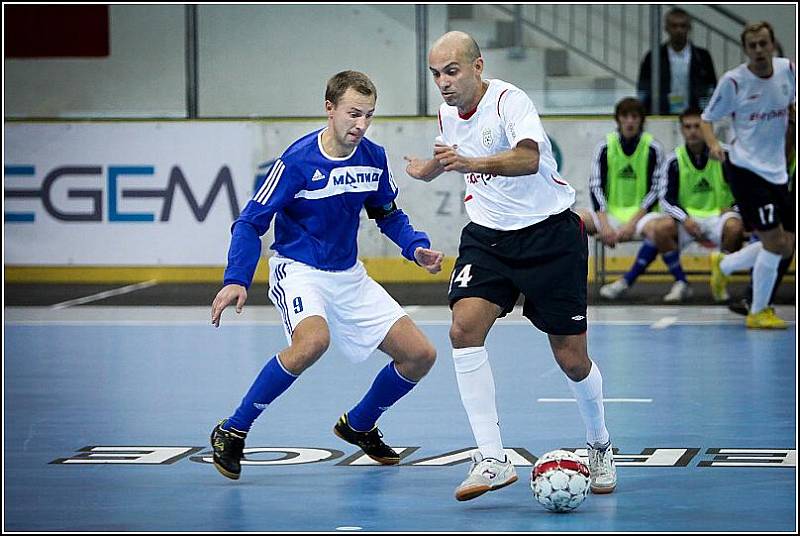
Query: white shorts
[359, 311]
[711, 228]
[616, 224]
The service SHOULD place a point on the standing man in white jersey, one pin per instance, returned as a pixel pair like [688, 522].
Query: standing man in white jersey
[522, 238]
[316, 191]
[759, 95]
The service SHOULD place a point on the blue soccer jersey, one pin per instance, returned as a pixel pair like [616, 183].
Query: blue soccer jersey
[317, 200]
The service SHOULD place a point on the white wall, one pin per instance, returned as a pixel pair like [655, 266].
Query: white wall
[782, 17]
[254, 60]
[264, 60]
[144, 75]
[260, 60]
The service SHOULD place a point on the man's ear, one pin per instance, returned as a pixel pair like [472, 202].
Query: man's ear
[479, 65]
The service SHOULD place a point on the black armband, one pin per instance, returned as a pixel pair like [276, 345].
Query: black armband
[379, 213]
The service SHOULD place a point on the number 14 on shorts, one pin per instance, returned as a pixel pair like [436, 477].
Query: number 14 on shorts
[463, 278]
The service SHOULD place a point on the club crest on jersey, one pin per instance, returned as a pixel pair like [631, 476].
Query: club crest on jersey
[486, 137]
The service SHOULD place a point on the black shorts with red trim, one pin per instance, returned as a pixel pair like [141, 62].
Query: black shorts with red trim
[763, 205]
[546, 262]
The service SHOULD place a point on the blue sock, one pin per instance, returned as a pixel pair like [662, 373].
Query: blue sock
[673, 261]
[270, 383]
[647, 254]
[389, 387]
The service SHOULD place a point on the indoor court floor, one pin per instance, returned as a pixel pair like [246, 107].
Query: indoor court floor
[108, 411]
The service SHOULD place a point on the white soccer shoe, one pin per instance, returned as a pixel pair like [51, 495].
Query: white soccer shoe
[601, 468]
[614, 290]
[485, 474]
[680, 291]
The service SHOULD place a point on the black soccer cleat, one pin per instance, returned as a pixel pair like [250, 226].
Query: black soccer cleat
[740, 307]
[228, 446]
[370, 442]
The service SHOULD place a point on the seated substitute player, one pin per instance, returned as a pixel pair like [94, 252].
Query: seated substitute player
[760, 97]
[624, 185]
[316, 191]
[697, 194]
[522, 238]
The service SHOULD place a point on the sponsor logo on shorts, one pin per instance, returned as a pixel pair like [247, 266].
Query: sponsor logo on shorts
[578, 318]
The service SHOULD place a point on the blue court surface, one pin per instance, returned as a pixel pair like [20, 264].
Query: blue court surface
[108, 411]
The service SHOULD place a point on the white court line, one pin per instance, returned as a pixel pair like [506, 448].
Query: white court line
[627, 400]
[106, 294]
[663, 323]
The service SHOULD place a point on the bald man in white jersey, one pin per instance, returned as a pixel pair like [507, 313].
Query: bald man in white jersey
[759, 95]
[522, 238]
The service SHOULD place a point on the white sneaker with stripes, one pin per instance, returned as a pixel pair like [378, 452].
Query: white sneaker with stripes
[485, 474]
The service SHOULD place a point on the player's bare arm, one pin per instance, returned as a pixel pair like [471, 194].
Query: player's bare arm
[424, 170]
[229, 294]
[627, 231]
[693, 228]
[607, 233]
[521, 160]
[715, 150]
[791, 131]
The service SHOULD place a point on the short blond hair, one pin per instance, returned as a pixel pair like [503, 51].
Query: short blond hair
[341, 82]
[754, 27]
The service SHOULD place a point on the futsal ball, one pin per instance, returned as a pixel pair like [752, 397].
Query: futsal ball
[560, 481]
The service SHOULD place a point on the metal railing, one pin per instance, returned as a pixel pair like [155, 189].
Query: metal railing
[593, 32]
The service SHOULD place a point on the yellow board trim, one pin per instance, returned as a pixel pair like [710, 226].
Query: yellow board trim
[383, 270]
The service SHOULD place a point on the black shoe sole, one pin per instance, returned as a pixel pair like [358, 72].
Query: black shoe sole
[380, 460]
[225, 473]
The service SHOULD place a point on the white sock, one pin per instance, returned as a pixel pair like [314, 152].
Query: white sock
[744, 259]
[476, 386]
[589, 395]
[765, 273]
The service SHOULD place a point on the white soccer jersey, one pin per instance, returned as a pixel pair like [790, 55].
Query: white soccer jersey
[505, 116]
[759, 107]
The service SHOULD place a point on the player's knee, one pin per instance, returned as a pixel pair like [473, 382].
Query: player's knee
[425, 357]
[733, 226]
[665, 234]
[311, 347]
[576, 370]
[462, 337]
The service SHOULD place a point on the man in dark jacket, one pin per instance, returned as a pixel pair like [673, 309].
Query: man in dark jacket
[687, 71]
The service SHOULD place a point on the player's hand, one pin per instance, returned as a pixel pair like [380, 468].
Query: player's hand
[429, 259]
[416, 168]
[229, 294]
[625, 233]
[717, 152]
[608, 236]
[449, 159]
[693, 228]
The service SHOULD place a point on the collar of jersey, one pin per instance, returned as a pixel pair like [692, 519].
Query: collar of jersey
[329, 157]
